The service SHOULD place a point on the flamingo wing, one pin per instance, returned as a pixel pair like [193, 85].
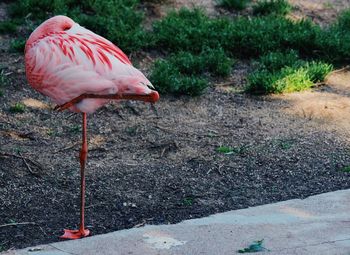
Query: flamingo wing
[67, 64]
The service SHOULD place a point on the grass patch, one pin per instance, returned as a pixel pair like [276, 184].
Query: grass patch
[279, 72]
[225, 150]
[119, 21]
[192, 30]
[75, 129]
[204, 47]
[272, 7]
[230, 150]
[7, 27]
[18, 108]
[276, 60]
[169, 79]
[233, 4]
[183, 72]
[17, 45]
[188, 201]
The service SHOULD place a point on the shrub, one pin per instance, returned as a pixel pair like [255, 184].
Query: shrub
[233, 4]
[318, 70]
[213, 61]
[272, 7]
[181, 72]
[119, 21]
[216, 62]
[185, 30]
[277, 60]
[169, 79]
[300, 76]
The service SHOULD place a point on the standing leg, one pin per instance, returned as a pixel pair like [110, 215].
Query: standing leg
[83, 158]
[82, 232]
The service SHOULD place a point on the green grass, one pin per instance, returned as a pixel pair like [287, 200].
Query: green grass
[17, 45]
[18, 108]
[188, 201]
[233, 4]
[301, 76]
[199, 48]
[283, 72]
[192, 30]
[120, 21]
[345, 169]
[7, 27]
[170, 80]
[272, 7]
[276, 60]
[186, 73]
[75, 129]
[225, 150]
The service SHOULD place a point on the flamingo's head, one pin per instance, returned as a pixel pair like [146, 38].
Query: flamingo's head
[53, 25]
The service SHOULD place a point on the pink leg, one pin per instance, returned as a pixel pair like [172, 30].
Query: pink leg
[82, 232]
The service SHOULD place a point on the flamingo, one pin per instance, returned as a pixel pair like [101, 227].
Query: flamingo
[81, 71]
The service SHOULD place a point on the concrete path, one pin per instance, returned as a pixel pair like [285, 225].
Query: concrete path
[316, 225]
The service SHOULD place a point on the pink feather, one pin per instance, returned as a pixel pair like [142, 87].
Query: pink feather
[65, 60]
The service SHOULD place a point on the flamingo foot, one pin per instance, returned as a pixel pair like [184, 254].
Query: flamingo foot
[75, 234]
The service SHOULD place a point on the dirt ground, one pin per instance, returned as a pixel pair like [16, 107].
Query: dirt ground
[160, 165]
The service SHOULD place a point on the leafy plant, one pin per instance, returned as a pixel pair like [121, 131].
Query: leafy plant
[256, 246]
[272, 7]
[233, 4]
[18, 108]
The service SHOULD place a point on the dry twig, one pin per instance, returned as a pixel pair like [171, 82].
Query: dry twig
[17, 223]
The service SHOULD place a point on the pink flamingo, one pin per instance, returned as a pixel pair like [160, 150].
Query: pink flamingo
[81, 71]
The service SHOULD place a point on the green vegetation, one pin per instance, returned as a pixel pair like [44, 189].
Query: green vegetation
[7, 27]
[233, 4]
[169, 79]
[272, 7]
[119, 21]
[183, 73]
[75, 129]
[256, 246]
[279, 72]
[225, 149]
[230, 150]
[188, 201]
[18, 108]
[290, 55]
[345, 169]
[282, 77]
[17, 45]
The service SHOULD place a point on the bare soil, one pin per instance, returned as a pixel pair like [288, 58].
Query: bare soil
[160, 165]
